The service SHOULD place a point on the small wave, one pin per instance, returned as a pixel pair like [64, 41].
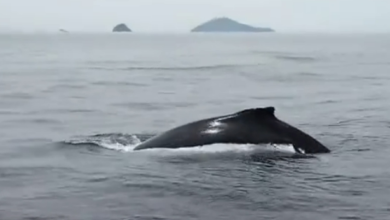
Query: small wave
[34, 121]
[119, 83]
[153, 106]
[17, 95]
[183, 68]
[296, 58]
[308, 74]
[66, 86]
[10, 112]
[276, 97]
[63, 87]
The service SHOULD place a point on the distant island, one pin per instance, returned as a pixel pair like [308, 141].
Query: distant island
[63, 31]
[121, 28]
[225, 24]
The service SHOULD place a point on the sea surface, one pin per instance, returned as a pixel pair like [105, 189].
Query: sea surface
[73, 106]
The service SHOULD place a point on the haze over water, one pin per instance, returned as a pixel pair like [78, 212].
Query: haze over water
[72, 107]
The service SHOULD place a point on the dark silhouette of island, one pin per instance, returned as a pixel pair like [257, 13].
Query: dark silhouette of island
[225, 24]
[63, 31]
[121, 28]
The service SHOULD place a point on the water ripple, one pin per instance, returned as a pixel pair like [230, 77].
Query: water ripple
[57, 87]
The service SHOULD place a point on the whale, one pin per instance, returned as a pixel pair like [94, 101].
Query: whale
[249, 126]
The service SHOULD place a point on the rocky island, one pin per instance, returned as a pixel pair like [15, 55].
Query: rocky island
[121, 28]
[225, 24]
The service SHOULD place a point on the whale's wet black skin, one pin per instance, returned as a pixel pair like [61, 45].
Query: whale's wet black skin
[250, 126]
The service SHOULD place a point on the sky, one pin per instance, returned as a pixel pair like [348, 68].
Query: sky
[183, 15]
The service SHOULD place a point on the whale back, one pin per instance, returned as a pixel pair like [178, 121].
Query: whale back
[249, 126]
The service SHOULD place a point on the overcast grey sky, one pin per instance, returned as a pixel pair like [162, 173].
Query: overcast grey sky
[182, 15]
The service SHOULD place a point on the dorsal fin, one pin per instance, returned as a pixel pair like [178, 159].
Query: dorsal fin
[269, 111]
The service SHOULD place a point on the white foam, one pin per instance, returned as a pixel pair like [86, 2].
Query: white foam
[108, 144]
[118, 146]
[212, 148]
[288, 148]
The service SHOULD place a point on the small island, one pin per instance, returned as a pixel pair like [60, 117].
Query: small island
[63, 31]
[225, 24]
[121, 28]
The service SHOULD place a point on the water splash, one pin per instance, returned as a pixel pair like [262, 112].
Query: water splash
[116, 141]
[127, 143]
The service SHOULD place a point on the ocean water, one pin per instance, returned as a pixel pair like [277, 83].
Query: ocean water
[73, 106]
